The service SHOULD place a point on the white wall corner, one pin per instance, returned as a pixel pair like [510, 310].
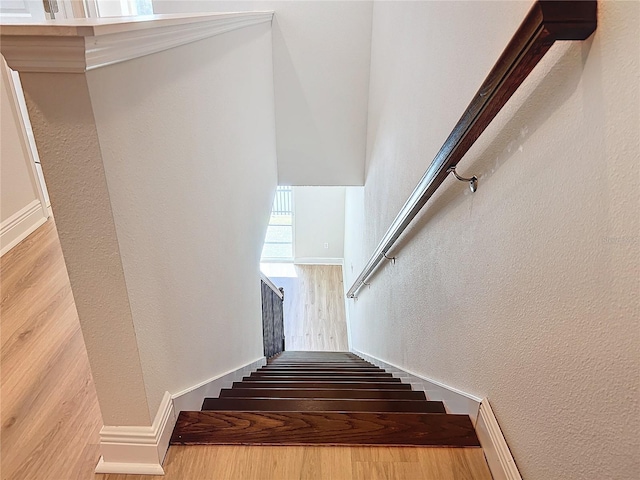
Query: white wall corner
[191, 398]
[20, 225]
[455, 401]
[494, 445]
[138, 450]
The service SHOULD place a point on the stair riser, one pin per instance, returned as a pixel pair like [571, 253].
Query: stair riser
[312, 378]
[275, 361]
[319, 355]
[337, 371]
[320, 365]
[320, 405]
[320, 373]
[321, 384]
[321, 393]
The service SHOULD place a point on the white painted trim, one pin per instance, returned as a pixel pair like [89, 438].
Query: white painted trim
[347, 310]
[271, 285]
[135, 449]
[21, 116]
[81, 45]
[191, 398]
[494, 445]
[318, 261]
[129, 468]
[20, 225]
[455, 401]
[24, 123]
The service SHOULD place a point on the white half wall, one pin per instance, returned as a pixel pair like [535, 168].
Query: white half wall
[191, 199]
[526, 292]
[321, 52]
[318, 224]
[22, 209]
[162, 198]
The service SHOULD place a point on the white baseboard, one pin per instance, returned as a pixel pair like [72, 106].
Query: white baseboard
[455, 401]
[138, 450]
[318, 261]
[129, 468]
[494, 445]
[20, 225]
[191, 398]
[141, 450]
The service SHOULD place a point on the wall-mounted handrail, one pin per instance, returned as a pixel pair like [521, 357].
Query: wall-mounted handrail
[546, 22]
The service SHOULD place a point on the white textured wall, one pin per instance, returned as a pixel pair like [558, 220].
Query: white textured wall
[162, 207]
[321, 71]
[318, 219]
[526, 292]
[191, 169]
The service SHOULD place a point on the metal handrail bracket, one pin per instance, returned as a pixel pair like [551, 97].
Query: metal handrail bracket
[546, 22]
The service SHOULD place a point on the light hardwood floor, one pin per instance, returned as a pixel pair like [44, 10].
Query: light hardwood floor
[314, 315]
[319, 463]
[49, 409]
[50, 417]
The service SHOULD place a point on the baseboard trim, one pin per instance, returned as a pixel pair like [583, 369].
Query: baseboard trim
[318, 261]
[494, 445]
[191, 398]
[129, 468]
[138, 450]
[455, 401]
[20, 225]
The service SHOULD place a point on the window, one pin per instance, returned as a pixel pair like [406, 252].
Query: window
[278, 243]
[118, 8]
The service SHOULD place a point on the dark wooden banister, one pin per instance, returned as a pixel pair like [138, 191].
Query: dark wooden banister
[546, 22]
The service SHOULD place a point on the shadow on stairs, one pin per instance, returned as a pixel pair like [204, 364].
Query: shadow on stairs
[322, 398]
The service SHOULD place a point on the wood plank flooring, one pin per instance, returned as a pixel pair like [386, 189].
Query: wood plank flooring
[50, 417]
[314, 314]
[207, 462]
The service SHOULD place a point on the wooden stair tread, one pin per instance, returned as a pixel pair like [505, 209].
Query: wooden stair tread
[309, 358]
[319, 373]
[321, 384]
[312, 378]
[318, 355]
[317, 365]
[323, 428]
[319, 369]
[320, 393]
[315, 360]
[321, 405]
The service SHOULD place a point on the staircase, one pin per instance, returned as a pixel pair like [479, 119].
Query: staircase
[322, 398]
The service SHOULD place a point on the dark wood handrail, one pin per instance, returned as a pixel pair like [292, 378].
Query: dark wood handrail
[546, 22]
